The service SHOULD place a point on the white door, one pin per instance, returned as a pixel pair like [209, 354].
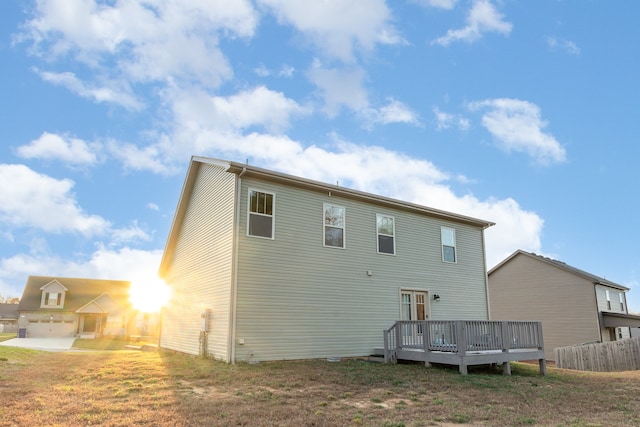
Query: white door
[414, 305]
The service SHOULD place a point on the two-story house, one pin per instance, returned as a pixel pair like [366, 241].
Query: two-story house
[268, 266]
[68, 307]
[575, 307]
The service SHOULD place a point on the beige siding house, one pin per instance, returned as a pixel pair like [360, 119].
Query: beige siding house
[575, 307]
[268, 266]
[68, 307]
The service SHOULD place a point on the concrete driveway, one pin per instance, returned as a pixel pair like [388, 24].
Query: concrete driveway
[48, 344]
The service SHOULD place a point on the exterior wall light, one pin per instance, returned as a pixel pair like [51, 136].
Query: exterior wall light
[436, 297]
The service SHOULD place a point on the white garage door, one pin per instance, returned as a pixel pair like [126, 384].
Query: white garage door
[49, 329]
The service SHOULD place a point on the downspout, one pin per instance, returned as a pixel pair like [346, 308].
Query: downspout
[234, 279]
[486, 276]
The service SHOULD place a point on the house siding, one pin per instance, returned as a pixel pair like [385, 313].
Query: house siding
[200, 272]
[614, 297]
[529, 289]
[297, 299]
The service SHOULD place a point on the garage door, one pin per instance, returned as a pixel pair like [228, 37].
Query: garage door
[50, 329]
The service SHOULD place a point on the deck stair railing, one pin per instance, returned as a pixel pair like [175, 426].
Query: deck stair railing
[461, 336]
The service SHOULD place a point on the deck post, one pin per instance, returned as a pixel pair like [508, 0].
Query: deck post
[543, 366]
[506, 338]
[506, 368]
[386, 346]
[461, 337]
[461, 345]
[426, 341]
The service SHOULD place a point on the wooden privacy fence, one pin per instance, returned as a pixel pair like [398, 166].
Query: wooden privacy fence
[611, 356]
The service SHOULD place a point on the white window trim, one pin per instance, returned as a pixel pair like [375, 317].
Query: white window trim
[378, 234]
[344, 226]
[273, 214]
[44, 301]
[455, 245]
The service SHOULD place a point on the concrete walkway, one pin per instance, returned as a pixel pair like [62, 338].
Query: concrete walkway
[48, 344]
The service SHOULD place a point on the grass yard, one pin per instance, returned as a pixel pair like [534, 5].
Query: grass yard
[124, 388]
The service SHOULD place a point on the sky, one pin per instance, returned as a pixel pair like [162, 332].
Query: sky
[520, 113]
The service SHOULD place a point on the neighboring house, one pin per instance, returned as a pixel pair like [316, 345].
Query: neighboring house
[268, 266]
[575, 307]
[8, 317]
[67, 307]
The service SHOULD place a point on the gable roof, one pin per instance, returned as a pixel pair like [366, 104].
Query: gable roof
[241, 170]
[79, 292]
[596, 280]
[53, 282]
[101, 304]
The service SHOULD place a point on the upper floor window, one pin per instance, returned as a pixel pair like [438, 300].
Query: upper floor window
[621, 295]
[386, 234]
[606, 293]
[53, 298]
[448, 239]
[261, 223]
[334, 225]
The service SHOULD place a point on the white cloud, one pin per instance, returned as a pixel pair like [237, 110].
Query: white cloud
[256, 107]
[132, 233]
[518, 126]
[482, 18]
[338, 27]
[70, 150]
[150, 158]
[285, 71]
[121, 264]
[151, 42]
[340, 87]
[447, 120]
[563, 44]
[31, 199]
[110, 93]
[393, 112]
[440, 4]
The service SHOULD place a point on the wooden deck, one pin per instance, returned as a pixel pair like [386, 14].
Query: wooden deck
[465, 342]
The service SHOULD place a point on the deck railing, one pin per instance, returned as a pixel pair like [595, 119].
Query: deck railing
[461, 336]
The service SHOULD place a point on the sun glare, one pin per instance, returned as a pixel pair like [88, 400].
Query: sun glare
[149, 296]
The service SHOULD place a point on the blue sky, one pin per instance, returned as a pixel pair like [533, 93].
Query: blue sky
[521, 113]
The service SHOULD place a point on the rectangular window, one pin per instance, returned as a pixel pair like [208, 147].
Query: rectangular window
[53, 298]
[386, 234]
[448, 238]
[334, 223]
[606, 293]
[261, 223]
[621, 295]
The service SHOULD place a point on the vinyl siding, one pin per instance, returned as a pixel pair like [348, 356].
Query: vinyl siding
[525, 288]
[298, 299]
[200, 272]
[614, 297]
